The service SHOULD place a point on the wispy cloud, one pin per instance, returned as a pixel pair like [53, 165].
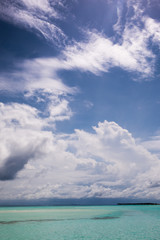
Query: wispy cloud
[153, 28]
[100, 54]
[97, 54]
[38, 16]
[128, 49]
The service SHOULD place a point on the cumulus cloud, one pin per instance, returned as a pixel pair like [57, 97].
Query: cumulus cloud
[33, 15]
[106, 163]
[21, 115]
[22, 137]
[152, 144]
[22, 134]
[14, 163]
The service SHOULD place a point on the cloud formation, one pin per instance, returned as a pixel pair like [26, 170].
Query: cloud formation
[128, 48]
[38, 16]
[100, 54]
[152, 144]
[36, 161]
[38, 82]
[14, 164]
[106, 163]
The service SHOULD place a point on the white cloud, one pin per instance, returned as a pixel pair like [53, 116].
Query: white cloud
[97, 53]
[35, 74]
[136, 33]
[34, 15]
[42, 5]
[153, 28]
[100, 54]
[106, 163]
[152, 144]
[37, 80]
[20, 115]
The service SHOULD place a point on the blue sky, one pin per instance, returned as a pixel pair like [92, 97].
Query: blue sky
[79, 99]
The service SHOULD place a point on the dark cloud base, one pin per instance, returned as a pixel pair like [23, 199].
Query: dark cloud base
[13, 165]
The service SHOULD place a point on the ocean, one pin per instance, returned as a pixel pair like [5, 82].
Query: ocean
[80, 222]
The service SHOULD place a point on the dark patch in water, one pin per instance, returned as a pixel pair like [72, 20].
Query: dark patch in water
[24, 221]
[103, 218]
[51, 220]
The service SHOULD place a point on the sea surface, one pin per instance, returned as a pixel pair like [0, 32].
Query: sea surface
[80, 222]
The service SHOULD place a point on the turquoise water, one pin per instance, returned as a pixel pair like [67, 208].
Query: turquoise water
[75, 223]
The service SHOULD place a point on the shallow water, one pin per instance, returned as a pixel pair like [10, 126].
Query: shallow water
[84, 222]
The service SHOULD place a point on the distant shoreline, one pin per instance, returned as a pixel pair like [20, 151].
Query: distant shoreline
[138, 203]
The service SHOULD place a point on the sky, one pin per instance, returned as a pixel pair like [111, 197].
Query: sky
[79, 99]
